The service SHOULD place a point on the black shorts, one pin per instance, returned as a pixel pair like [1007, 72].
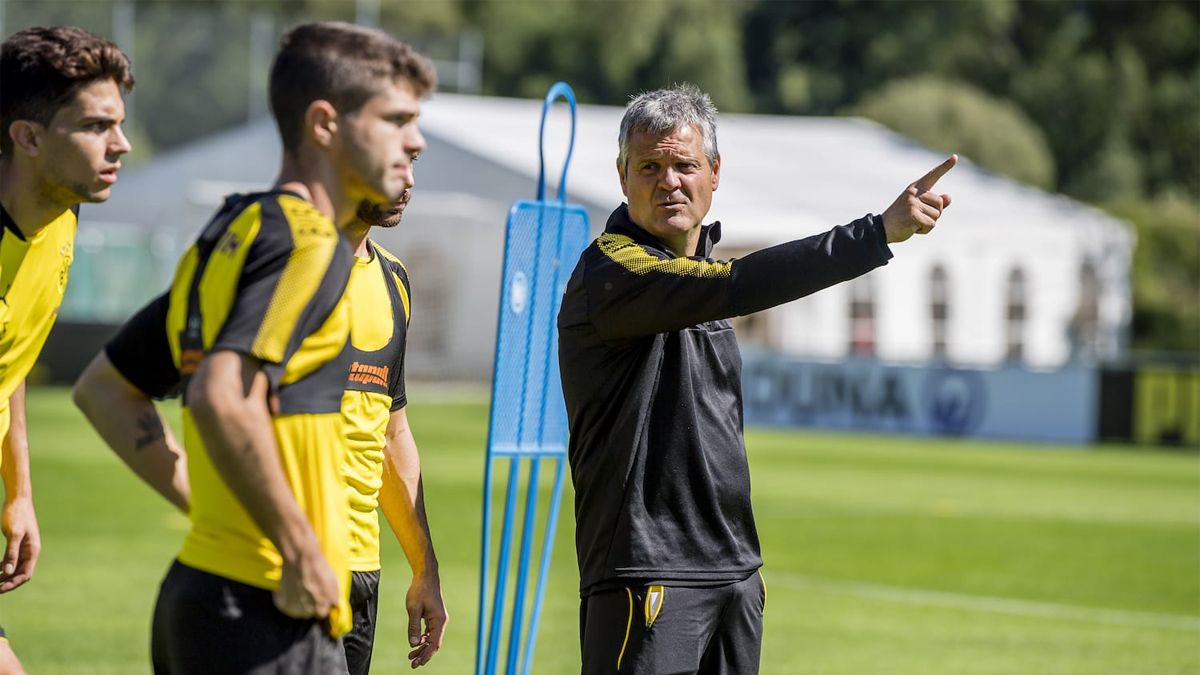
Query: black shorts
[205, 624]
[2, 635]
[364, 606]
[649, 630]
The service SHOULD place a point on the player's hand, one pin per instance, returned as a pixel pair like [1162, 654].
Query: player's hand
[23, 543]
[917, 209]
[307, 586]
[424, 602]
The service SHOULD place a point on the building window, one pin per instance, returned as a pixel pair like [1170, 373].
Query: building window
[939, 311]
[862, 317]
[1015, 314]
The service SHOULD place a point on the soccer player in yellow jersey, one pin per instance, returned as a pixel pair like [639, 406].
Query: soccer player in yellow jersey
[382, 465]
[253, 331]
[60, 146]
[383, 468]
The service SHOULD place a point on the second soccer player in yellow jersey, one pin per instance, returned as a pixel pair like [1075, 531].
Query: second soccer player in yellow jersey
[383, 468]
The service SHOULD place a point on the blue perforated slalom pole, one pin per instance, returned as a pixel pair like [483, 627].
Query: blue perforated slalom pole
[528, 419]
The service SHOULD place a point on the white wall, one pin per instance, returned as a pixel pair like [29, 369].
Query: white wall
[978, 262]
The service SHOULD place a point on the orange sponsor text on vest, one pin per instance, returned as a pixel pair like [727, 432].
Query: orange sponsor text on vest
[368, 374]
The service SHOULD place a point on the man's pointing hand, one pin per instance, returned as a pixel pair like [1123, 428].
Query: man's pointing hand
[917, 209]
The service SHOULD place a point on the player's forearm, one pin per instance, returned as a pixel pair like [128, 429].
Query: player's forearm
[402, 499]
[228, 401]
[404, 508]
[132, 427]
[14, 466]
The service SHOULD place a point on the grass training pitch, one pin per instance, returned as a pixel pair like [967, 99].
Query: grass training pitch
[883, 555]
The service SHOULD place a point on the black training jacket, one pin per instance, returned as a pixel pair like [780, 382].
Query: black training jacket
[652, 378]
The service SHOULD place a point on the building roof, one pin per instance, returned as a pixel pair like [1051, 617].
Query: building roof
[782, 177]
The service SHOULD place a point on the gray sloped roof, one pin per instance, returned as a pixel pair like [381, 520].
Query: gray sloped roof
[782, 177]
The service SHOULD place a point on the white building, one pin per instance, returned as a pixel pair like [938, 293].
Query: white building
[1011, 274]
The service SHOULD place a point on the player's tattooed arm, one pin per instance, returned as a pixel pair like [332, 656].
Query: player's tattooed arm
[132, 426]
[151, 428]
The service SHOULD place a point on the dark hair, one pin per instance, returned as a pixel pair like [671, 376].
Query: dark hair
[340, 63]
[41, 70]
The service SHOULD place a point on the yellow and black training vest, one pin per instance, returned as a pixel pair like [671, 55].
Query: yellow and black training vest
[266, 278]
[374, 388]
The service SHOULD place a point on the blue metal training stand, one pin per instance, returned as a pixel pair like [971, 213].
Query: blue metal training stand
[528, 424]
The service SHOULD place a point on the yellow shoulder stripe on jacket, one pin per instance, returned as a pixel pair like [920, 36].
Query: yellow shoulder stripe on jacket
[627, 253]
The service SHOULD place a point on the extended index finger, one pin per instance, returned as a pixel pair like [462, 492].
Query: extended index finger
[927, 181]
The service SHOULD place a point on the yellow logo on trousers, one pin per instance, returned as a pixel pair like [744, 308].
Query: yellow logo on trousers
[654, 602]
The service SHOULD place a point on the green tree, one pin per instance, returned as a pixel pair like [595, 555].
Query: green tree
[608, 50]
[956, 117]
[837, 51]
[1166, 273]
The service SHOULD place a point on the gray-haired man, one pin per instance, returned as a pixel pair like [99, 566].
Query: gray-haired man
[668, 551]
